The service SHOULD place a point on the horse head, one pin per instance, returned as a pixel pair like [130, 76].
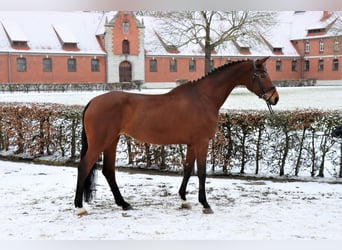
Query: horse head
[261, 83]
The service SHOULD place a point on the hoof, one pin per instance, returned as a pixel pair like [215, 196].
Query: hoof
[207, 210]
[127, 207]
[80, 212]
[186, 205]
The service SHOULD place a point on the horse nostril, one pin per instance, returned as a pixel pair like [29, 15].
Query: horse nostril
[276, 99]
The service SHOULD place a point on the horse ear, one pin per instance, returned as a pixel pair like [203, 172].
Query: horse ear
[260, 62]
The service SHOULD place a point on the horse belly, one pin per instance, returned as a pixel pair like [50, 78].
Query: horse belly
[158, 132]
[170, 130]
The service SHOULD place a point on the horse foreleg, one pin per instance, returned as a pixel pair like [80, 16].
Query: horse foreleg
[201, 157]
[188, 168]
[109, 172]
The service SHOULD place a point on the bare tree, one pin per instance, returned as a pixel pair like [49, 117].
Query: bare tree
[211, 29]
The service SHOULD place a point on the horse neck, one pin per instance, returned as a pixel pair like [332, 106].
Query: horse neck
[220, 84]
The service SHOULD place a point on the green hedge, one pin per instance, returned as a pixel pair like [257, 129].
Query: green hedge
[293, 143]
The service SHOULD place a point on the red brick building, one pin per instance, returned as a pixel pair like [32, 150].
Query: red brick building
[97, 47]
[303, 45]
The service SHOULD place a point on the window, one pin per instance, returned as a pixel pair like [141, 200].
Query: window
[153, 65]
[21, 64]
[173, 65]
[320, 65]
[125, 46]
[336, 45]
[335, 65]
[47, 65]
[278, 65]
[192, 65]
[71, 65]
[95, 65]
[125, 27]
[307, 65]
[321, 46]
[307, 47]
[294, 66]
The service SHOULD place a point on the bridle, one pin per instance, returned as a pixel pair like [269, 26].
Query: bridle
[263, 91]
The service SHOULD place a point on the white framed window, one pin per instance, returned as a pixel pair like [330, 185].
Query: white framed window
[307, 46]
[321, 46]
[125, 27]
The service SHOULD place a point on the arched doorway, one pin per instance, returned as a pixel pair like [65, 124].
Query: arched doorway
[125, 71]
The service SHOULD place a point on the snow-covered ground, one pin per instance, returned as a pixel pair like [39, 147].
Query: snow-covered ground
[37, 203]
[318, 97]
[37, 200]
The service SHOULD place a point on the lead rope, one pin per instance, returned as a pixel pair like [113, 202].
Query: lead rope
[270, 108]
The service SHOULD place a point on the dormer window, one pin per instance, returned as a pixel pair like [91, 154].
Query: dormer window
[243, 48]
[15, 35]
[66, 37]
[316, 31]
[277, 50]
[19, 44]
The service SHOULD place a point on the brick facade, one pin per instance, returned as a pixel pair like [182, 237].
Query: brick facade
[121, 56]
[124, 43]
[34, 72]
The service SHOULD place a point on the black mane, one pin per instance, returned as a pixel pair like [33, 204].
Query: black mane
[226, 65]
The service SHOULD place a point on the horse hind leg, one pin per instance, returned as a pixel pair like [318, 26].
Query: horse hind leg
[109, 172]
[85, 166]
[201, 156]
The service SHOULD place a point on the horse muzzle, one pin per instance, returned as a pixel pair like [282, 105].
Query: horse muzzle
[271, 97]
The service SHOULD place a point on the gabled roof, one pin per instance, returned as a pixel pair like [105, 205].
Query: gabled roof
[290, 25]
[304, 22]
[46, 32]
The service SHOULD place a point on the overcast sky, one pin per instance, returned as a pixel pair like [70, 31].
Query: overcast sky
[169, 5]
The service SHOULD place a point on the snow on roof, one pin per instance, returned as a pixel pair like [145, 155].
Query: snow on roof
[290, 26]
[308, 20]
[40, 29]
[64, 33]
[278, 38]
[14, 32]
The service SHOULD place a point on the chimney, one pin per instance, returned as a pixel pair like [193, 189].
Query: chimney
[326, 15]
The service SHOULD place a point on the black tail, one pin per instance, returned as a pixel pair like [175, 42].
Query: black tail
[90, 183]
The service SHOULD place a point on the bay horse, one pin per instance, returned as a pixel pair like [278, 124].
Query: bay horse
[188, 114]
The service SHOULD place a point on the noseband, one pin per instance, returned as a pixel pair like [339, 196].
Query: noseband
[262, 90]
